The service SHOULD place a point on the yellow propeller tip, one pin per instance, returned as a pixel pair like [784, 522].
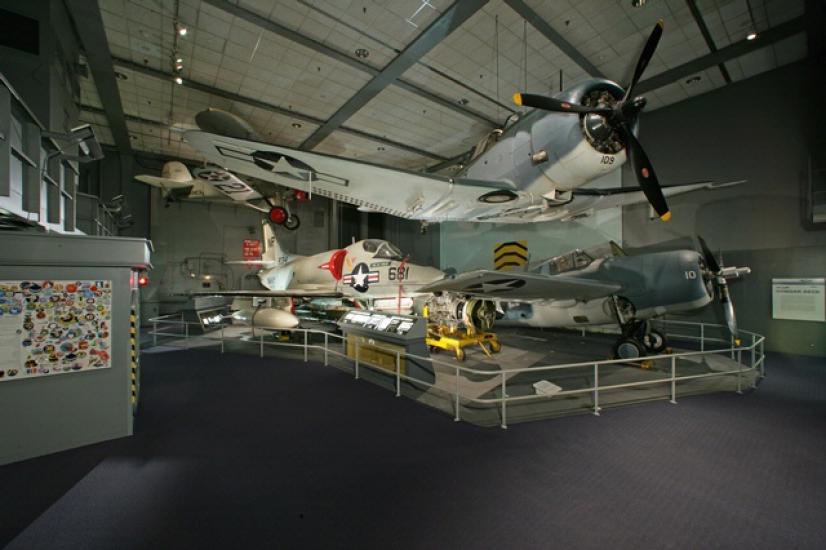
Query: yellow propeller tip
[737, 342]
[517, 98]
[667, 216]
[661, 23]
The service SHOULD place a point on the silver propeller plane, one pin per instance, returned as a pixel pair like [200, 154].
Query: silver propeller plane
[536, 168]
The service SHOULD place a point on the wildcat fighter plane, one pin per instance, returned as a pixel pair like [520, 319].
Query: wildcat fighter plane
[534, 169]
[603, 286]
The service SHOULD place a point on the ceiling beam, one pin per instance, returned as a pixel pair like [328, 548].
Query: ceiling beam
[89, 25]
[738, 49]
[450, 20]
[211, 90]
[536, 21]
[340, 56]
[712, 47]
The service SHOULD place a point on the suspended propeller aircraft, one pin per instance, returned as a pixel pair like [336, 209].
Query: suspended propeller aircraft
[603, 286]
[213, 184]
[534, 169]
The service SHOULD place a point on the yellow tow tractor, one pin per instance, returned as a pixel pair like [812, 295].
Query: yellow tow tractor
[456, 324]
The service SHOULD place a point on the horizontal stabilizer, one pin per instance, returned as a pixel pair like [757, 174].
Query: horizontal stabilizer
[295, 293]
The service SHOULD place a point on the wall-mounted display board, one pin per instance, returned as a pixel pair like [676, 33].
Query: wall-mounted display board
[54, 327]
[799, 299]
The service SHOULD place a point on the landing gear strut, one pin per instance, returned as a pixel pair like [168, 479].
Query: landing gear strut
[637, 337]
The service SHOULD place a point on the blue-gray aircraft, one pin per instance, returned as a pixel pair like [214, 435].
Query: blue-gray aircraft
[535, 168]
[599, 286]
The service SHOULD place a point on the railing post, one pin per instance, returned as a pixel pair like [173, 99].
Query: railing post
[222, 337]
[154, 333]
[673, 380]
[596, 389]
[456, 416]
[357, 359]
[398, 376]
[504, 424]
[702, 336]
[326, 338]
[763, 358]
[261, 345]
[739, 377]
[186, 330]
[751, 365]
[732, 347]
[305, 345]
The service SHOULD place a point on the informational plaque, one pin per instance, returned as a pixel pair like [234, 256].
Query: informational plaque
[799, 299]
[54, 327]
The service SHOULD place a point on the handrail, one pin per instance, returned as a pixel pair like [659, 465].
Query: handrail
[756, 348]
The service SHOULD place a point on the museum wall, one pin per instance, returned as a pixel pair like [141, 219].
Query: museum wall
[44, 71]
[762, 130]
[465, 246]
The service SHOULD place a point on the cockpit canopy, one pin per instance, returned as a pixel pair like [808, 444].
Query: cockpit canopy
[579, 258]
[382, 250]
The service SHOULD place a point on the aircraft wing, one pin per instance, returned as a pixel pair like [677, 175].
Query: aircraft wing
[586, 199]
[372, 187]
[163, 183]
[295, 293]
[522, 286]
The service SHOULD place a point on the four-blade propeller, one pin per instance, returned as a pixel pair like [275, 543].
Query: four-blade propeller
[621, 118]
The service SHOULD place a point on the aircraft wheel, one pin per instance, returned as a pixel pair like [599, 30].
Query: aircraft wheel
[654, 341]
[278, 215]
[628, 348]
[292, 222]
[460, 354]
[495, 346]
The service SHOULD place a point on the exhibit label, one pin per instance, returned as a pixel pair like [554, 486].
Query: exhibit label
[54, 327]
[799, 299]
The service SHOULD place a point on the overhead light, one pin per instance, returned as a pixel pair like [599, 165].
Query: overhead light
[362, 53]
[380, 148]
[693, 80]
[179, 80]
[637, 3]
[751, 36]
[180, 29]
[296, 125]
[179, 60]
[463, 101]
[179, 66]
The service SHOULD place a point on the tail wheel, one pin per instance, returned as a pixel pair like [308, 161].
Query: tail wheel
[278, 215]
[460, 354]
[292, 222]
[495, 346]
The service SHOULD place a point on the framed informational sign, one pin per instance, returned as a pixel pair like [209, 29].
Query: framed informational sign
[799, 299]
[54, 327]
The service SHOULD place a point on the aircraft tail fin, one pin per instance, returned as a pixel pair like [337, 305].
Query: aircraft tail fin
[273, 252]
[174, 175]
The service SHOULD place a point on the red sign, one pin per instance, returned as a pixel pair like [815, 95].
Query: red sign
[251, 249]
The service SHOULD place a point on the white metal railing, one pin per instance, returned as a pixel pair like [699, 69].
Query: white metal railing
[702, 333]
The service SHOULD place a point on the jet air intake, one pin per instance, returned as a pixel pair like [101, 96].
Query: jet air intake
[608, 123]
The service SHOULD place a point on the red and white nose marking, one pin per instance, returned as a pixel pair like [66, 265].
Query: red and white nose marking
[335, 265]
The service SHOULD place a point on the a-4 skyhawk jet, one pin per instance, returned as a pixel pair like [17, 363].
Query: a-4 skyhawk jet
[534, 169]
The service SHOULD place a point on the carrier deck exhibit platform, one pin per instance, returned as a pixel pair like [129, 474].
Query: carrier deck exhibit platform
[560, 372]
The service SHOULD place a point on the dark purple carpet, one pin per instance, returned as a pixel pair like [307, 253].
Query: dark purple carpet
[236, 451]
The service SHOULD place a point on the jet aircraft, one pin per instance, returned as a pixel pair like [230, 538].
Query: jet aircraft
[603, 286]
[371, 272]
[536, 168]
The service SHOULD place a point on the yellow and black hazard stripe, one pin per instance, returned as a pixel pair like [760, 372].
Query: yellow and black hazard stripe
[510, 255]
[134, 358]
